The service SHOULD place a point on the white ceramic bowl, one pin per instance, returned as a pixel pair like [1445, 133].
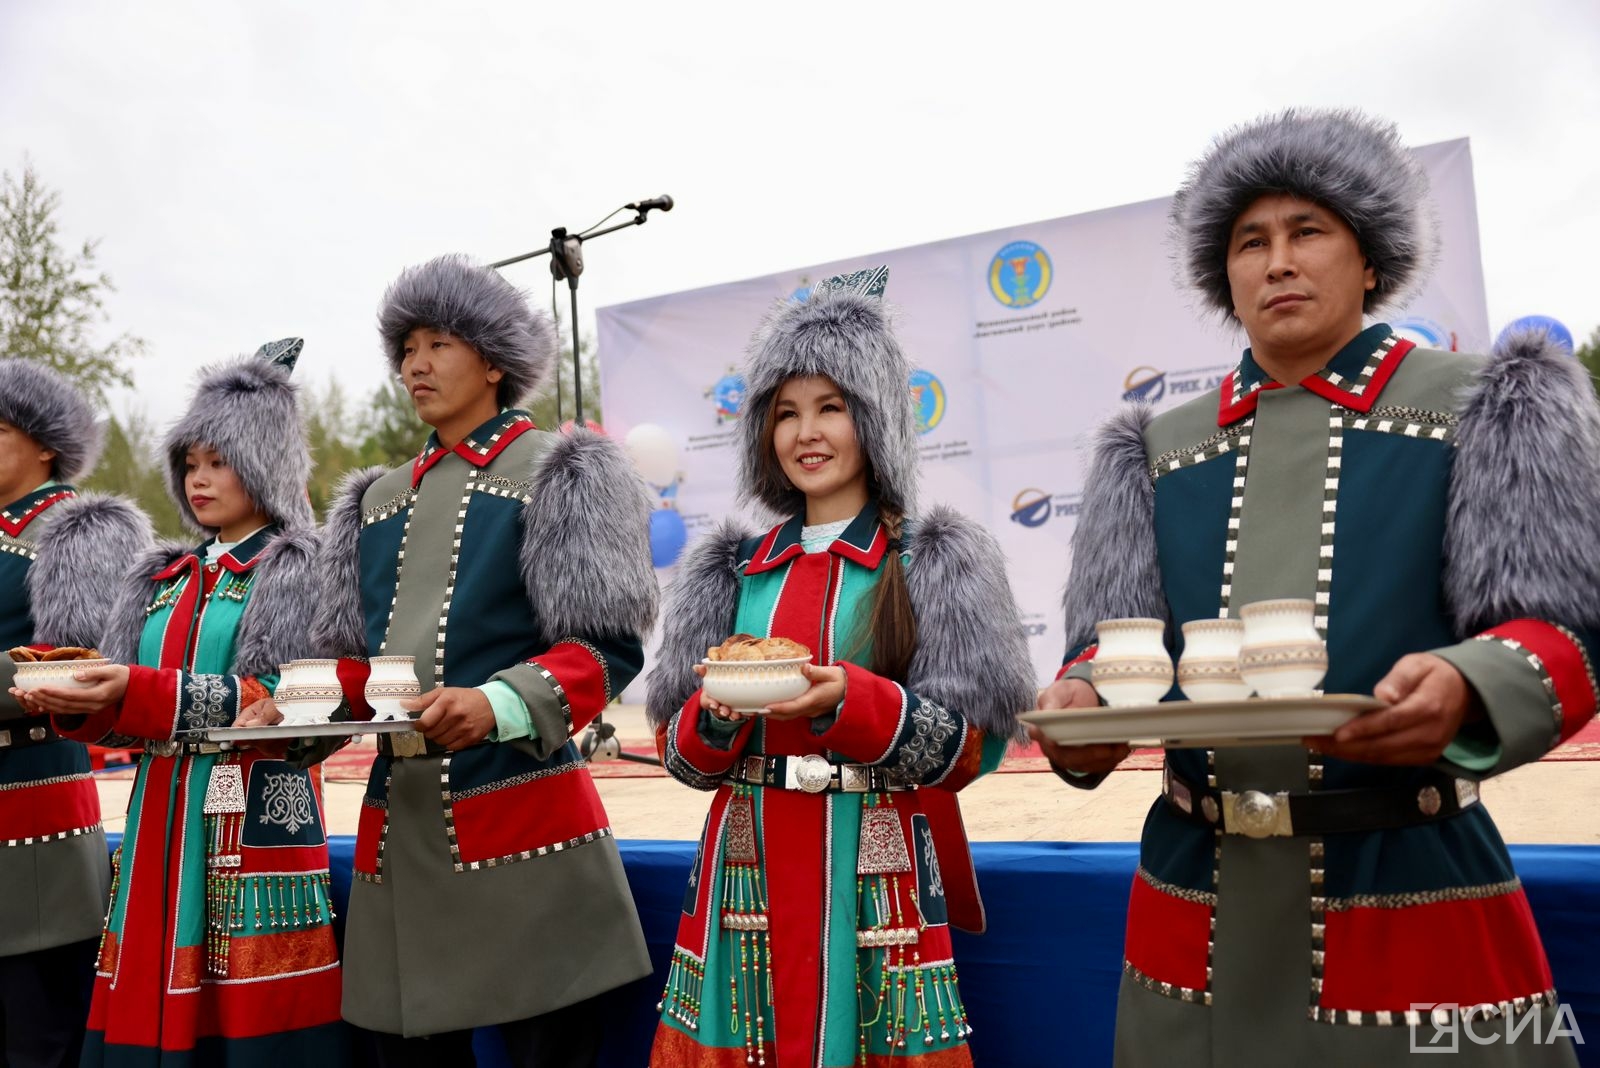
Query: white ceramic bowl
[31, 676]
[750, 685]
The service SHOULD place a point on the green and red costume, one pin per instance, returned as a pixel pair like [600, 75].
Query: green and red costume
[218, 949]
[816, 926]
[1360, 488]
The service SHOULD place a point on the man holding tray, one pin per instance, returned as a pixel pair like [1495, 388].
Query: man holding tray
[514, 566]
[59, 553]
[1309, 905]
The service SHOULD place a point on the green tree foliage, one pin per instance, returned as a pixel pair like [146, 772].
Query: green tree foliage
[391, 431]
[335, 446]
[543, 407]
[52, 300]
[1588, 354]
[130, 467]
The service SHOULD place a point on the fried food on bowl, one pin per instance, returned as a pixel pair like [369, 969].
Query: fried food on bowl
[24, 655]
[747, 647]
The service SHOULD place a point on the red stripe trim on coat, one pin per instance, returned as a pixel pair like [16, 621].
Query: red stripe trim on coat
[1081, 658]
[14, 527]
[1466, 952]
[513, 819]
[582, 676]
[49, 809]
[1564, 661]
[1168, 938]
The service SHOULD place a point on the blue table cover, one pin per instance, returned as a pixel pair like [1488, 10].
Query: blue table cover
[1041, 985]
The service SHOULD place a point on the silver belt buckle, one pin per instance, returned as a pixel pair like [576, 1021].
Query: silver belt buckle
[1255, 814]
[810, 773]
[408, 744]
[754, 769]
[855, 778]
[163, 747]
[5, 739]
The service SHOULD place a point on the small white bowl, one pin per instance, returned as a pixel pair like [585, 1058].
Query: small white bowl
[748, 686]
[37, 673]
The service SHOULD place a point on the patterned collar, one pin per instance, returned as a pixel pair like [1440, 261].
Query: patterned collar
[1352, 379]
[19, 513]
[863, 542]
[239, 559]
[477, 448]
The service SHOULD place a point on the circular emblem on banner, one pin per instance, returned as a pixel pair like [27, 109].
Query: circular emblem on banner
[1425, 333]
[728, 396]
[1031, 508]
[927, 398]
[1019, 274]
[1144, 384]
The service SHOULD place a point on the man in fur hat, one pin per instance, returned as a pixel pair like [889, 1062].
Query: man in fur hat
[514, 566]
[1308, 905]
[59, 553]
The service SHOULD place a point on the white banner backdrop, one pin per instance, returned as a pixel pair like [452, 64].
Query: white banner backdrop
[1023, 340]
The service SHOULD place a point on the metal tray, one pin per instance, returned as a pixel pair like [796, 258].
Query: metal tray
[294, 731]
[1211, 724]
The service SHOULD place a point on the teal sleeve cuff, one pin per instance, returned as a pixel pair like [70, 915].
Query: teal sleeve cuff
[1474, 749]
[511, 719]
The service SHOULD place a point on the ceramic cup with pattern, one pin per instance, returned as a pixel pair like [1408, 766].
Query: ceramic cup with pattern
[1282, 655]
[1131, 665]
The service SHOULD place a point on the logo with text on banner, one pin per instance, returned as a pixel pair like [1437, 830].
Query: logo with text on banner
[1033, 508]
[1144, 384]
[727, 393]
[1426, 333]
[1019, 274]
[928, 397]
[1151, 385]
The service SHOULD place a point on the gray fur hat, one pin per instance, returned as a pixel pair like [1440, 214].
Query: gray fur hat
[246, 409]
[45, 406]
[844, 334]
[1350, 163]
[455, 296]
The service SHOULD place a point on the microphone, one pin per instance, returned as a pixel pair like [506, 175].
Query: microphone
[664, 203]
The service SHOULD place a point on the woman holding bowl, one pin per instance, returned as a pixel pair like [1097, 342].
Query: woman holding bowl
[218, 947]
[816, 926]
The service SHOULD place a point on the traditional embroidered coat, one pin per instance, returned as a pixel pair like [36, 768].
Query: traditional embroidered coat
[816, 926]
[1421, 499]
[54, 873]
[488, 887]
[219, 947]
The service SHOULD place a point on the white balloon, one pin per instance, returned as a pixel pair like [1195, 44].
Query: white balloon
[654, 453]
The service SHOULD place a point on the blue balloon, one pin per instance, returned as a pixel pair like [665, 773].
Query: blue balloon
[1554, 327]
[668, 536]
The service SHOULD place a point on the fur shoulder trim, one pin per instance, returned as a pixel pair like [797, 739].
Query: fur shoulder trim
[337, 628]
[701, 603]
[124, 624]
[1115, 571]
[1524, 500]
[585, 554]
[83, 552]
[276, 625]
[971, 654]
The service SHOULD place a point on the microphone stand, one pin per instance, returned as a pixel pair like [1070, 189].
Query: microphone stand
[565, 250]
[566, 261]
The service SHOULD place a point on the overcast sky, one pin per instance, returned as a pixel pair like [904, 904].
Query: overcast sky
[262, 169]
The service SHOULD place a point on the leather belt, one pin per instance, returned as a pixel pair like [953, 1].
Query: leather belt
[813, 774]
[408, 744]
[1258, 814]
[20, 737]
[170, 747]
